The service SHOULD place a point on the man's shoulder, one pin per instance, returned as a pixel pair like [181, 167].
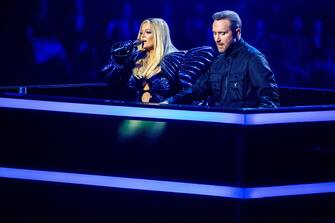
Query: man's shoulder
[250, 50]
[218, 58]
[217, 62]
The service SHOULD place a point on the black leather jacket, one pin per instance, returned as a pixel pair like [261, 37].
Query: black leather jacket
[239, 78]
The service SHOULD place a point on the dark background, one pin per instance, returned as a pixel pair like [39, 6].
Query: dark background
[68, 41]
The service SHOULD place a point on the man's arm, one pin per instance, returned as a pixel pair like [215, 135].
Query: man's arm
[198, 91]
[263, 79]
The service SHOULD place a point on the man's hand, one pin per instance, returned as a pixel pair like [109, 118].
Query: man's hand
[164, 102]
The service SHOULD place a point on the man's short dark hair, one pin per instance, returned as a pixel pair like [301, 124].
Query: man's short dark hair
[232, 16]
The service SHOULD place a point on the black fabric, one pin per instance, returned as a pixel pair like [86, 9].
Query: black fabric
[179, 71]
[239, 78]
[163, 84]
[195, 62]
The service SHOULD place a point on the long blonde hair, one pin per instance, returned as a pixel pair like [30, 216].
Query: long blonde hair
[162, 46]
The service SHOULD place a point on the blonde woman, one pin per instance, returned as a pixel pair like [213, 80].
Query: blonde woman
[151, 70]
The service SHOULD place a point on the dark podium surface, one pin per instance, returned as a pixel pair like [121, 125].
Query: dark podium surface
[90, 155]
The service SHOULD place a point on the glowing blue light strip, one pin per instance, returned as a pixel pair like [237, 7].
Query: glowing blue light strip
[168, 186]
[133, 112]
[290, 117]
[122, 182]
[289, 190]
[171, 114]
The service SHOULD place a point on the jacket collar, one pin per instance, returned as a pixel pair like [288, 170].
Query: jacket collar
[233, 49]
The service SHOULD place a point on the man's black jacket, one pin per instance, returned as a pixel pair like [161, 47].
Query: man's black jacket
[239, 78]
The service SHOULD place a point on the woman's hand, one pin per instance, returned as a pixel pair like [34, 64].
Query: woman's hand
[146, 96]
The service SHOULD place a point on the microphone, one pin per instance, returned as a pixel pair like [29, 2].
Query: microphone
[125, 47]
[121, 51]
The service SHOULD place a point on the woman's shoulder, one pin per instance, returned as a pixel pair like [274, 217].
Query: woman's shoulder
[202, 53]
[196, 62]
[171, 63]
[174, 57]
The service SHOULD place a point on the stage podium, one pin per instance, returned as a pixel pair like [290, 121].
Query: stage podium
[73, 152]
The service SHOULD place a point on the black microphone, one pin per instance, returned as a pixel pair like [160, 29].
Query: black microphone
[126, 47]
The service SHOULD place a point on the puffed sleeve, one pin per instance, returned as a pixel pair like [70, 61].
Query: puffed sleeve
[194, 66]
